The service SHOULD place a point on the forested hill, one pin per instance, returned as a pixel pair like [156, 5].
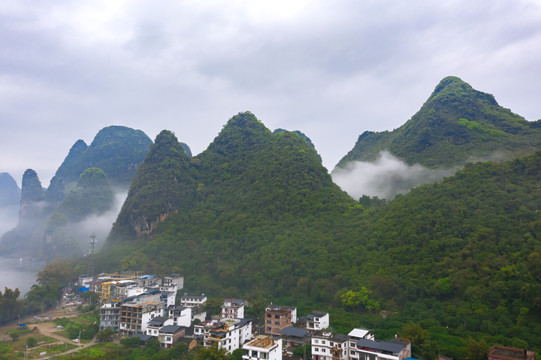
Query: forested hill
[457, 124]
[254, 213]
[464, 253]
[117, 150]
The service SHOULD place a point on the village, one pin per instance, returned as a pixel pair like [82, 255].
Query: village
[143, 307]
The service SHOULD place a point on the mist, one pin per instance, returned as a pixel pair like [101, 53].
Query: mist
[386, 177]
[9, 215]
[98, 224]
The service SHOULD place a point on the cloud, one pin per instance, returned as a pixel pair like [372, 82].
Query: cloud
[329, 69]
[99, 225]
[386, 177]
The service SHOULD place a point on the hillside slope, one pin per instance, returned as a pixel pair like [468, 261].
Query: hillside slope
[248, 215]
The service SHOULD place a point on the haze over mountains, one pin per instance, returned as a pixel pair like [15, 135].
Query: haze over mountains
[457, 124]
[48, 224]
[256, 214]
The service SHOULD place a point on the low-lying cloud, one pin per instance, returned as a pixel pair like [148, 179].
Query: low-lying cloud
[386, 177]
[99, 225]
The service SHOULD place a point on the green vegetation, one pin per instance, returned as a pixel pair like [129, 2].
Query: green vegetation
[117, 150]
[455, 125]
[256, 215]
[87, 325]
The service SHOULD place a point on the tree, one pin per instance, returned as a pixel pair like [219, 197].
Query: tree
[476, 350]
[58, 272]
[236, 355]
[211, 353]
[213, 306]
[106, 335]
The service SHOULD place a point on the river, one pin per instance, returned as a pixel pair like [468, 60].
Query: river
[15, 274]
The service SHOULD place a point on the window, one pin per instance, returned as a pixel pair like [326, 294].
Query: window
[276, 323]
[269, 315]
[269, 321]
[316, 341]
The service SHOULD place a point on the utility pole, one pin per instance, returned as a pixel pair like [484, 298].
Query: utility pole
[92, 252]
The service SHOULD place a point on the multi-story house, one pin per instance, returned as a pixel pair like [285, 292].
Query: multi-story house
[262, 348]
[233, 309]
[135, 313]
[169, 335]
[182, 316]
[293, 337]
[329, 346]
[397, 349]
[277, 317]
[229, 334]
[154, 325]
[317, 320]
[110, 316]
[354, 335]
[193, 300]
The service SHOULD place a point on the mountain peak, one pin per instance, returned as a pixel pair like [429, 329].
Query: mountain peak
[452, 88]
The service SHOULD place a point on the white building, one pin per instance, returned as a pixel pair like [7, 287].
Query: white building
[317, 320]
[193, 300]
[233, 309]
[154, 325]
[262, 348]
[227, 334]
[329, 346]
[182, 316]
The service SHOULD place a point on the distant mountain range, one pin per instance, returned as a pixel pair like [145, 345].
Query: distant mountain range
[257, 215]
[48, 217]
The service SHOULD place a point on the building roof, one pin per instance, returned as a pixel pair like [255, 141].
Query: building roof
[280, 307]
[157, 321]
[147, 277]
[171, 329]
[390, 346]
[509, 353]
[235, 301]
[340, 337]
[294, 331]
[359, 333]
[200, 297]
[263, 342]
[243, 322]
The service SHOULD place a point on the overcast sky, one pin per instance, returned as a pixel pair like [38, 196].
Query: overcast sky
[331, 69]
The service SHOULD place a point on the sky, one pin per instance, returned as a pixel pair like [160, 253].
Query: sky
[331, 69]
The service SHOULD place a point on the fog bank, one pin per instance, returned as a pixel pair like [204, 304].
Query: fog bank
[386, 177]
